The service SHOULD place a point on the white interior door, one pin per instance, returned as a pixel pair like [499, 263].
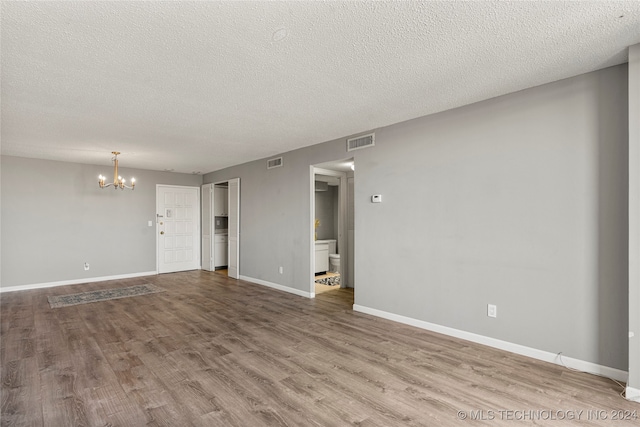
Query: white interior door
[207, 227]
[234, 228]
[178, 226]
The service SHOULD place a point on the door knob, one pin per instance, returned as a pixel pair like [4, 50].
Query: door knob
[162, 232]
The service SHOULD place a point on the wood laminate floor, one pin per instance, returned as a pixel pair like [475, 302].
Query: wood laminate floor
[213, 351]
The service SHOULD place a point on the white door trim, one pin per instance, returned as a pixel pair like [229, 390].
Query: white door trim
[237, 252]
[311, 228]
[234, 234]
[342, 222]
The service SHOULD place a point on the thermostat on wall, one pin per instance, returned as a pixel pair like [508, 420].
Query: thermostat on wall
[376, 198]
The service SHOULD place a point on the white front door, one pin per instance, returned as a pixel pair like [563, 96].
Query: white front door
[178, 226]
[234, 228]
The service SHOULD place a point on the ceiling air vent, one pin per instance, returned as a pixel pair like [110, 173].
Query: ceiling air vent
[274, 163]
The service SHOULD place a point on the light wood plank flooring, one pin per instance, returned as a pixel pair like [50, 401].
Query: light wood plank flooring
[213, 351]
[320, 288]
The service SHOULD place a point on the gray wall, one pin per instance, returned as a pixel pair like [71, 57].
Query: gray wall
[55, 218]
[336, 212]
[326, 212]
[275, 214]
[519, 201]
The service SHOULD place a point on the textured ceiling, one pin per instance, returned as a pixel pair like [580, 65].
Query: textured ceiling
[198, 86]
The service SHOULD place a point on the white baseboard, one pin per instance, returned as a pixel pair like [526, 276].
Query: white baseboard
[632, 394]
[546, 356]
[277, 286]
[76, 281]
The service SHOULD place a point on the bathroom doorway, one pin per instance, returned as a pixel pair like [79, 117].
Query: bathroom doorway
[332, 227]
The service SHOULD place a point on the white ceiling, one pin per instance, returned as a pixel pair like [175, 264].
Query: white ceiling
[199, 86]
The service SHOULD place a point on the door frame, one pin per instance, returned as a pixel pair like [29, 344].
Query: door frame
[198, 233]
[342, 224]
[233, 254]
[212, 244]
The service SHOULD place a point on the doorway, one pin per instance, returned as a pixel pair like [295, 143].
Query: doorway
[332, 230]
[178, 228]
[221, 227]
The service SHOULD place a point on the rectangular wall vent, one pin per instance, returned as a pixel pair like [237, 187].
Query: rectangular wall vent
[363, 141]
[274, 163]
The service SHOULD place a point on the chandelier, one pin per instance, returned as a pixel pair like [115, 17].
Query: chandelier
[118, 181]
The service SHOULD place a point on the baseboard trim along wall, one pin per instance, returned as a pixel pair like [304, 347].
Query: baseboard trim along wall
[277, 286]
[76, 281]
[581, 365]
[632, 394]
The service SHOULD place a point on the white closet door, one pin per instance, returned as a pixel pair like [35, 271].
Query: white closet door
[207, 227]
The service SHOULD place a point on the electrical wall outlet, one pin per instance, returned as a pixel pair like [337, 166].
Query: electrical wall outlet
[492, 310]
[86, 266]
[281, 270]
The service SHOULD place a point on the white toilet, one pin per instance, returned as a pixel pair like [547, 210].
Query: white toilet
[334, 263]
[334, 257]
